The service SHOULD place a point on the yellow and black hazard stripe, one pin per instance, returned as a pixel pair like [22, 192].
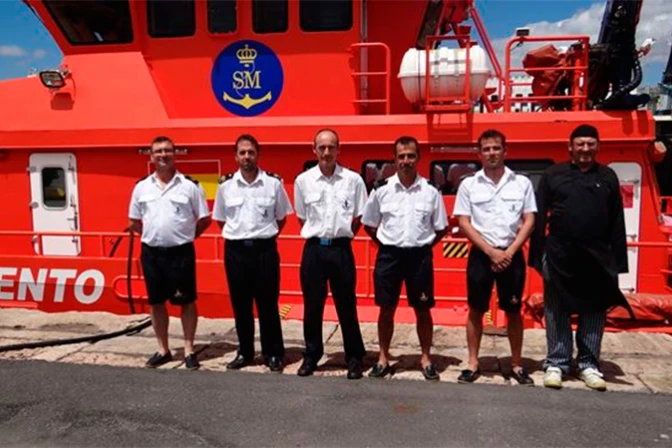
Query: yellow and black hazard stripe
[455, 250]
[285, 310]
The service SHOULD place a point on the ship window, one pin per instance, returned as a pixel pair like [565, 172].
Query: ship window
[309, 164]
[171, 18]
[447, 175]
[93, 21]
[375, 171]
[530, 168]
[325, 15]
[53, 187]
[269, 16]
[222, 16]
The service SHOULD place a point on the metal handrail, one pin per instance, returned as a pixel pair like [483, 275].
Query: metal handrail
[386, 73]
[579, 95]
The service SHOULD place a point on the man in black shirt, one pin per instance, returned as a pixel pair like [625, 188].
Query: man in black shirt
[581, 256]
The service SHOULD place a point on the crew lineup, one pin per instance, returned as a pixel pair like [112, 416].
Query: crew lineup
[579, 257]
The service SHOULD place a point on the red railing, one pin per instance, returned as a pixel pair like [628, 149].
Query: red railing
[217, 243]
[386, 74]
[579, 79]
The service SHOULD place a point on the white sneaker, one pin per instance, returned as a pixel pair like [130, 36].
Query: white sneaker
[553, 378]
[593, 378]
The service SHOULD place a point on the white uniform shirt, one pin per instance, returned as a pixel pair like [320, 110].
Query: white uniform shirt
[406, 217]
[251, 210]
[168, 215]
[496, 210]
[329, 204]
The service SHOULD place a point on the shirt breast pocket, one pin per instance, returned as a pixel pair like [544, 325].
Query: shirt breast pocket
[423, 214]
[264, 208]
[346, 200]
[232, 207]
[147, 204]
[181, 206]
[391, 216]
[481, 204]
[513, 203]
[314, 203]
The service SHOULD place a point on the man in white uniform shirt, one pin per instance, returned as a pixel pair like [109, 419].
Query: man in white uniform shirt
[169, 210]
[329, 200]
[496, 213]
[406, 217]
[251, 207]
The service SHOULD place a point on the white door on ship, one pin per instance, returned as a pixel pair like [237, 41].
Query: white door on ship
[630, 177]
[55, 202]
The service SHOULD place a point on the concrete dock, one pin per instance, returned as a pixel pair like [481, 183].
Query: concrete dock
[631, 362]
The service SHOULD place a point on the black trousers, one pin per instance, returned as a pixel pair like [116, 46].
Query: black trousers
[335, 264]
[253, 273]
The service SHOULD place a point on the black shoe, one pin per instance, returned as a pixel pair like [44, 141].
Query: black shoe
[430, 373]
[274, 363]
[158, 359]
[522, 377]
[468, 376]
[379, 371]
[307, 367]
[191, 362]
[239, 362]
[354, 369]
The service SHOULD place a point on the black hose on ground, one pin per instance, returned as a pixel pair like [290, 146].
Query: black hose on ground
[133, 329]
[95, 338]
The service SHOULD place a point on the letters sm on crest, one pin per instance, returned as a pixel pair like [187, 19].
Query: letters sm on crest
[247, 78]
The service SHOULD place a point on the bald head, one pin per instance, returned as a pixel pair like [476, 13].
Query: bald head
[326, 133]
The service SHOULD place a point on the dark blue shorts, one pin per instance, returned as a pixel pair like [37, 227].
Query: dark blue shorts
[413, 266]
[170, 273]
[481, 278]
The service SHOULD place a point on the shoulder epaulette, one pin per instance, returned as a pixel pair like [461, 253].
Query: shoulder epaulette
[191, 179]
[226, 177]
[379, 183]
[141, 179]
[274, 175]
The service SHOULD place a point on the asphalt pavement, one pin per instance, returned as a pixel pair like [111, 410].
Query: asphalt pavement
[60, 404]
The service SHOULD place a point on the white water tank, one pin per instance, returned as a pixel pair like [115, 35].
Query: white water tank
[447, 73]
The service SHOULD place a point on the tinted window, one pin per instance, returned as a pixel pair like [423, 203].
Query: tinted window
[309, 164]
[447, 175]
[171, 18]
[92, 21]
[530, 168]
[269, 16]
[375, 171]
[53, 187]
[222, 16]
[325, 15]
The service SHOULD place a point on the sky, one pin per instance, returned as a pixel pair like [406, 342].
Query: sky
[25, 44]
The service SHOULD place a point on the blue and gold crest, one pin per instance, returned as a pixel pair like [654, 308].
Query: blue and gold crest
[247, 78]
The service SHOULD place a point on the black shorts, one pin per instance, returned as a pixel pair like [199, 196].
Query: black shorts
[414, 266]
[170, 273]
[480, 279]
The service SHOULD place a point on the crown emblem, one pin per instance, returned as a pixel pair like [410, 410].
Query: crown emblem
[246, 55]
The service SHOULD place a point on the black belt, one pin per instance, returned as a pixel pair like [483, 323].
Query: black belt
[169, 249]
[327, 242]
[406, 249]
[254, 242]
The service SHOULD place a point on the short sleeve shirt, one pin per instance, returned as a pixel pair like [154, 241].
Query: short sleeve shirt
[168, 215]
[251, 210]
[406, 217]
[496, 210]
[329, 204]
